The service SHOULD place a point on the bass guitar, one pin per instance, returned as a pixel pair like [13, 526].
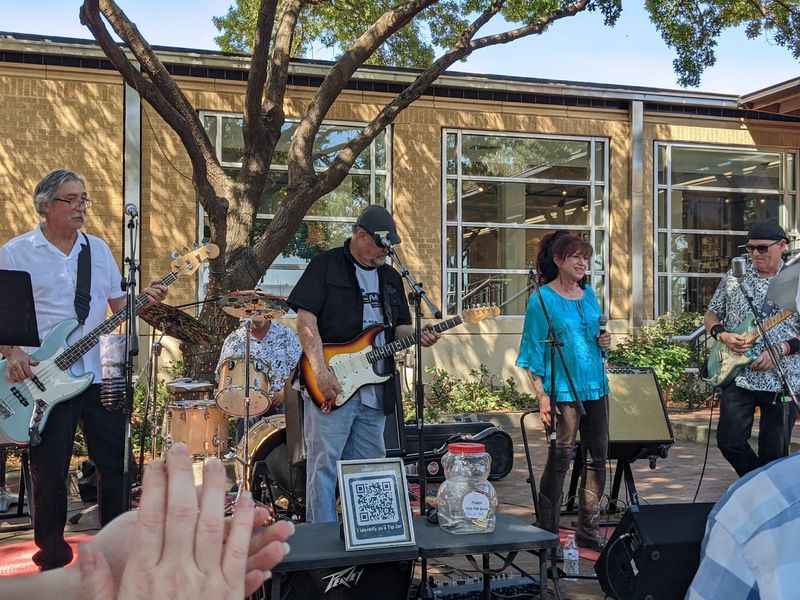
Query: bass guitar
[724, 365]
[354, 362]
[25, 406]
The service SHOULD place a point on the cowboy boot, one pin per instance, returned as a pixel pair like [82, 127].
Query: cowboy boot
[548, 515]
[588, 534]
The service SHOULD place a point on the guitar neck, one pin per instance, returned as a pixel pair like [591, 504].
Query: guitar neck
[389, 350]
[752, 335]
[72, 354]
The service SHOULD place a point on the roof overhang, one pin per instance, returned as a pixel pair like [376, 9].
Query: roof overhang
[29, 43]
[782, 98]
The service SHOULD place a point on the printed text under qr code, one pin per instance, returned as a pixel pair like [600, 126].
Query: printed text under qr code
[376, 502]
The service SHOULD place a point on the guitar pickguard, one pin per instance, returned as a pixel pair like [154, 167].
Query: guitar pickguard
[354, 371]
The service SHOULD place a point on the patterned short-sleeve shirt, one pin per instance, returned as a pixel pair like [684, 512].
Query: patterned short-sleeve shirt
[279, 351]
[730, 306]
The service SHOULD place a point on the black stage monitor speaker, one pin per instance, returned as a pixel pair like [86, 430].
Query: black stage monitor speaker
[654, 552]
[637, 418]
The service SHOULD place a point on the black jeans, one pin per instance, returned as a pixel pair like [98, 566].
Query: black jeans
[104, 432]
[594, 438]
[736, 414]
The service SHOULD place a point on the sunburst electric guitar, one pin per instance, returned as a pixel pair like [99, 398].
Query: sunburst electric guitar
[25, 406]
[353, 362]
[724, 365]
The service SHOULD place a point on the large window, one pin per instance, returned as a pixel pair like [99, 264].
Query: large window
[501, 194]
[706, 199]
[329, 221]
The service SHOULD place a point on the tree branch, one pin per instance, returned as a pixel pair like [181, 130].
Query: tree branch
[257, 152]
[331, 177]
[189, 130]
[301, 163]
[159, 75]
[536, 27]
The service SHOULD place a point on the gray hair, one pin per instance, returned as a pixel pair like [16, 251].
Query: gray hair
[46, 189]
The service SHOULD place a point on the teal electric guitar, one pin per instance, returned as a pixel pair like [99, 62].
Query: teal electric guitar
[25, 406]
[724, 365]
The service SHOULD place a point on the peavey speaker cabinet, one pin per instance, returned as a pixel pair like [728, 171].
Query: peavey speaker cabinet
[654, 552]
[384, 581]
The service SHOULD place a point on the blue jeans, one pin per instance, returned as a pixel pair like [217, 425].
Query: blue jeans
[349, 432]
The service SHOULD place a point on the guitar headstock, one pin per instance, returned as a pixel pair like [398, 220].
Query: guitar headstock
[479, 313]
[190, 261]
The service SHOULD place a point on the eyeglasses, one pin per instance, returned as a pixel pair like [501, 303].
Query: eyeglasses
[77, 201]
[760, 248]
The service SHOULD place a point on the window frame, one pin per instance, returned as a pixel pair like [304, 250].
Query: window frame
[786, 211]
[593, 183]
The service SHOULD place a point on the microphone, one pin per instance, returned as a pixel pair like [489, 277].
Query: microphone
[739, 267]
[382, 239]
[602, 321]
[131, 211]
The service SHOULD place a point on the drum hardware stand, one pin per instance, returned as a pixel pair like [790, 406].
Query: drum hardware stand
[131, 352]
[417, 296]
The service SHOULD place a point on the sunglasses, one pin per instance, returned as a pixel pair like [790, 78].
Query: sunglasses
[760, 248]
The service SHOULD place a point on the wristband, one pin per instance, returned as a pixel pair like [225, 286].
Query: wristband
[717, 329]
[794, 345]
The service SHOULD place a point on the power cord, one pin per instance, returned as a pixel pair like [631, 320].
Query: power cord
[708, 443]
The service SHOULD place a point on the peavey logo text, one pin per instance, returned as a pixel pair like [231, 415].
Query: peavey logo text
[347, 577]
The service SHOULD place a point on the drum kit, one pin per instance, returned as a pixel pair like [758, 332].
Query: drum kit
[198, 412]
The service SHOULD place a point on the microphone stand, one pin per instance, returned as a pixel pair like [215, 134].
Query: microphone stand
[418, 296]
[131, 352]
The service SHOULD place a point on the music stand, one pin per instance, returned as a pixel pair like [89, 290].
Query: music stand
[19, 328]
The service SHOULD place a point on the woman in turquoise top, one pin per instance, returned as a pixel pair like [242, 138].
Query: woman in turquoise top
[563, 262]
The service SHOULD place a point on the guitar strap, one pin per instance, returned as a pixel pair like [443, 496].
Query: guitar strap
[83, 294]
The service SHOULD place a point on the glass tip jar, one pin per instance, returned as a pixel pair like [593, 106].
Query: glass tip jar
[466, 501]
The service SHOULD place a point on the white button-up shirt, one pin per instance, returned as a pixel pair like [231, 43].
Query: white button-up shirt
[54, 278]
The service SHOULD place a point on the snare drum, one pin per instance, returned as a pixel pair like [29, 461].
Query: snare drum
[230, 387]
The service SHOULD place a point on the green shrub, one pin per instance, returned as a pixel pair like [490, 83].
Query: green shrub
[650, 347]
[478, 392]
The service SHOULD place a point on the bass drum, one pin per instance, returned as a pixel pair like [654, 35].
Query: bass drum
[273, 481]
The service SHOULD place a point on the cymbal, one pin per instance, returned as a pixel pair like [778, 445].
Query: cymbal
[246, 304]
[176, 323]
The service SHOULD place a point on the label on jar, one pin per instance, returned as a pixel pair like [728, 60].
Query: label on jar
[475, 505]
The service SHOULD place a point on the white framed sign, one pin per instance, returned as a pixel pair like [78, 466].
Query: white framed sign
[375, 505]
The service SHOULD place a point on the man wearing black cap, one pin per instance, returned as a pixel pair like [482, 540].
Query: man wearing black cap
[758, 384]
[342, 292]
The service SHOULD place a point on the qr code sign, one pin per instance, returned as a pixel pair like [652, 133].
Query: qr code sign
[375, 501]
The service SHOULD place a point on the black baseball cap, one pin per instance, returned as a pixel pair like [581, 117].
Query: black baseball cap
[767, 230]
[377, 220]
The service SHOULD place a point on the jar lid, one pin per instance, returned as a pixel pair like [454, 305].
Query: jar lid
[466, 448]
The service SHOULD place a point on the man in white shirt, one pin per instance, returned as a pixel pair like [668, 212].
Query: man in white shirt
[50, 254]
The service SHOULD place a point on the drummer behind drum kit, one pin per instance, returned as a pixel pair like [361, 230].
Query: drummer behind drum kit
[197, 414]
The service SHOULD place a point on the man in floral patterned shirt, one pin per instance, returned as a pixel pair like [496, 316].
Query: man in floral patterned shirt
[759, 384]
[273, 345]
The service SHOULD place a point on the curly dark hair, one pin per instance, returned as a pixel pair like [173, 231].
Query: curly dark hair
[560, 244]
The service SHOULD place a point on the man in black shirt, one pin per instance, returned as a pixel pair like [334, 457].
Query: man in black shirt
[342, 292]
